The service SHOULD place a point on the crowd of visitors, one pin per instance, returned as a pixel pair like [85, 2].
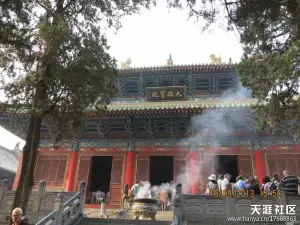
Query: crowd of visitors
[269, 186]
[223, 185]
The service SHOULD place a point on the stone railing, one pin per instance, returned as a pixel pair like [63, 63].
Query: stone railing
[40, 204]
[68, 212]
[198, 209]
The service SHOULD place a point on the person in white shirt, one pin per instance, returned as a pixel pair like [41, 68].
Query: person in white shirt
[220, 180]
[226, 185]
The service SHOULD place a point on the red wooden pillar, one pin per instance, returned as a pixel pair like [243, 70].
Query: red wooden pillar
[17, 177]
[260, 165]
[129, 169]
[193, 159]
[72, 167]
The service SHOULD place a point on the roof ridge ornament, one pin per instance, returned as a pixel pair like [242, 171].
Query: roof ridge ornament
[126, 64]
[170, 60]
[215, 59]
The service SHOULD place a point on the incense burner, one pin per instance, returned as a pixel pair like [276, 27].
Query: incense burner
[145, 207]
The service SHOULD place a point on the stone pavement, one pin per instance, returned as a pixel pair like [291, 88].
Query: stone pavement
[119, 214]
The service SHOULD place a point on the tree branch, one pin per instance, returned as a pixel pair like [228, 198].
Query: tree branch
[53, 105]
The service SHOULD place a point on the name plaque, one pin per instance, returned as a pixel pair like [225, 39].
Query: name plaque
[171, 93]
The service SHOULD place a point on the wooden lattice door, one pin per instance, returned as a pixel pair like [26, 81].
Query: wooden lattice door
[83, 171]
[142, 172]
[245, 167]
[207, 167]
[52, 169]
[279, 163]
[116, 181]
[180, 170]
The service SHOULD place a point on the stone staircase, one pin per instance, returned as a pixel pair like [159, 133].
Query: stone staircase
[118, 218]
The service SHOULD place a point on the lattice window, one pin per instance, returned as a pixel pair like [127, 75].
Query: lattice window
[51, 169]
[117, 168]
[245, 166]
[61, 175]
[279, 163]
[83, 171]
[142, 170]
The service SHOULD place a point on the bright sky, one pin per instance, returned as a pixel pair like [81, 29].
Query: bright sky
[149, 38]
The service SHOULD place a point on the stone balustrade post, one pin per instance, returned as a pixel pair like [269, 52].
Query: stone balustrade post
[282, 199]
[177, 205]
[58, 207]
[82, 191]
[3, 190]
[37, 203]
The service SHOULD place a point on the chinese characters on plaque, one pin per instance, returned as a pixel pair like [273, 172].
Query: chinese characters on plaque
[172, 93]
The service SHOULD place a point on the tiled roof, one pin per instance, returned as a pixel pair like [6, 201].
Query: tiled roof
[142, 106]
[178, 69]
[8, 160]
[4, 170]
[200, 104]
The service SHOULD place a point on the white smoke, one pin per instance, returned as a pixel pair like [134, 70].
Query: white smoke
[212, 127]
[146, 190]
[217, 124]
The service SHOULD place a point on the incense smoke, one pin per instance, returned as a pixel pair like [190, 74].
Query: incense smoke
[210, 128]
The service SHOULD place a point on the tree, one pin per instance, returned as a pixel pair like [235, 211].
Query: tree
[270, 34]
[56, 59]
[55, 67]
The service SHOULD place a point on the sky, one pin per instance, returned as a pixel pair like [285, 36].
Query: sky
[150, 37]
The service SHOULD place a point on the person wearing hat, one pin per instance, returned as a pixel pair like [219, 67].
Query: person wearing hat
[226, 185]
[212, 184]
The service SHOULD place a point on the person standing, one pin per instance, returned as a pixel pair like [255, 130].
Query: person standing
[212, 185]
[266, 186]
[240, 184]
[135, 188]
[164, 199]
[226, 185]
[290, 183]
[254, 186]
[125, 196]
[16, 216]
[219, 181]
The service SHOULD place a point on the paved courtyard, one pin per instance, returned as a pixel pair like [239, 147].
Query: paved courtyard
[119, 214]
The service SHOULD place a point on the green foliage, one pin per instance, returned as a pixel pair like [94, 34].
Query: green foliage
[53, 58]
[270, 34]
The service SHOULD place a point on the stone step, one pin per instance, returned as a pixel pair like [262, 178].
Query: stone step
[119, 214]
[93, 221]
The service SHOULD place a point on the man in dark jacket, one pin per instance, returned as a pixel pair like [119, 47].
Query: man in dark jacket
[17, 217]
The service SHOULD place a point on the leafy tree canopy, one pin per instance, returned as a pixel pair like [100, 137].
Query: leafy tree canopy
[54, 59]
[54, 65]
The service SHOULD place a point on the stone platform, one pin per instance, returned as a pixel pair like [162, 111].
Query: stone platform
[122, 215]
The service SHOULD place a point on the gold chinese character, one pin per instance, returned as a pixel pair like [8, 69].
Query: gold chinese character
[178, 94]
[154, 94]
[162, 94]
[170, 94]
